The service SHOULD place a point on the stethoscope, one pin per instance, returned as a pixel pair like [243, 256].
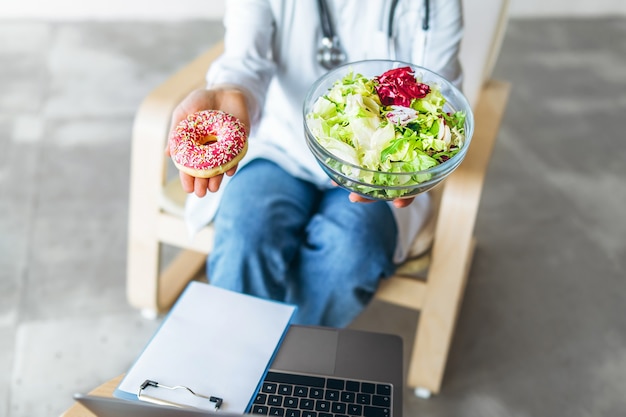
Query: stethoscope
[330, 53]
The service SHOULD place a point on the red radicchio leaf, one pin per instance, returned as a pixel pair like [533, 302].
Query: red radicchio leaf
[399, 87]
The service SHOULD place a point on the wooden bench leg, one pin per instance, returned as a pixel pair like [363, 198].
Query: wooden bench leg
[184, 268]
[435, 328]
[141, 274]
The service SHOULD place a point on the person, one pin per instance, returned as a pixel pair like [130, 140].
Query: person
[283, 231]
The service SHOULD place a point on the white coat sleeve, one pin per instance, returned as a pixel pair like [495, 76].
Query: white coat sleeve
[249, 30]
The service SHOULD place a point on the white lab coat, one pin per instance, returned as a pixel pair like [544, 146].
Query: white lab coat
[289, 32]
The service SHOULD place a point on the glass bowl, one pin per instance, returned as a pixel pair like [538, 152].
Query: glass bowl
[375, 184]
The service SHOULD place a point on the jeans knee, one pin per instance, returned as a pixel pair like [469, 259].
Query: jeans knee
[351, 248]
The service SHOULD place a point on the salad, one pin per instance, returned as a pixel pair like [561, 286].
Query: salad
[391, 123]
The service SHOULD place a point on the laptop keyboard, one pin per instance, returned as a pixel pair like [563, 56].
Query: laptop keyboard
[296, 395]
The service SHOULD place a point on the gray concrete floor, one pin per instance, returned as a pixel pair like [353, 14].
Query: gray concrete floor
[542, 331]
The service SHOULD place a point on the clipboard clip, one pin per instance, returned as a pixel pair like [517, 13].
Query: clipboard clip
[149, 383]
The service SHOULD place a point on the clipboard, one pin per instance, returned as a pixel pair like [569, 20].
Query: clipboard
[211, 351]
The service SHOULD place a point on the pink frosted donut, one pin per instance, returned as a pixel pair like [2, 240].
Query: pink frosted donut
[208, 143]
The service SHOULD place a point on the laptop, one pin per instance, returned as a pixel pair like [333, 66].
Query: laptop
[317, 372]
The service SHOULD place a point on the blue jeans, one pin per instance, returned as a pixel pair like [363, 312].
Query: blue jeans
[282, 238]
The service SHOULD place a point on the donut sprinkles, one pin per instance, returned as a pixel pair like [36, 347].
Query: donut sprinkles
[208, 143]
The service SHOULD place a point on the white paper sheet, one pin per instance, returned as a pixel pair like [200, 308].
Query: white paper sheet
[215, 342]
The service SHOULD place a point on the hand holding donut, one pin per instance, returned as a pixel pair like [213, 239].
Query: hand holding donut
[208, 137]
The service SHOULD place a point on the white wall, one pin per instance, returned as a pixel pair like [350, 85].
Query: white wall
[573, 8]
[112, 9]
[213, 9]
